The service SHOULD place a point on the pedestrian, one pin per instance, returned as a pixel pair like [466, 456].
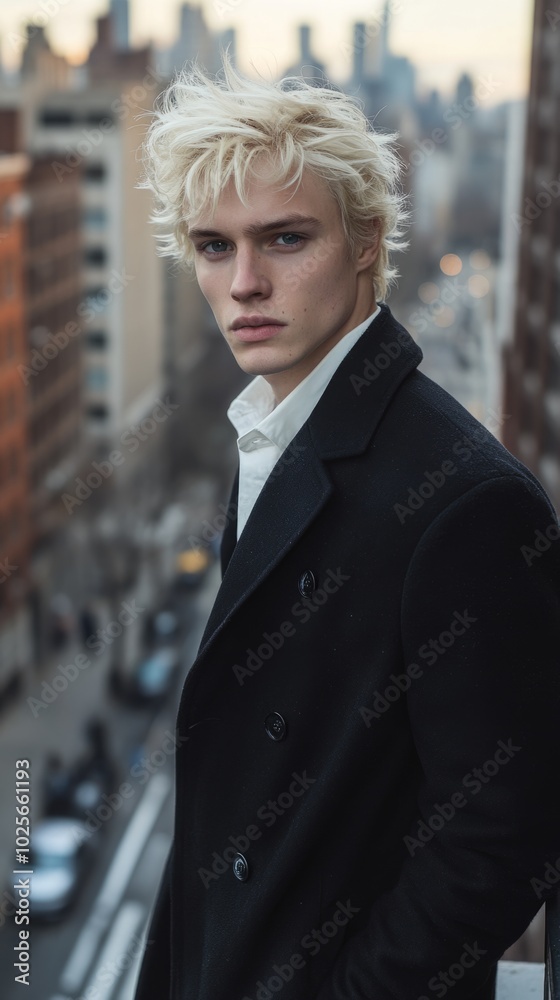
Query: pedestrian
[56, 787]
[365, 786]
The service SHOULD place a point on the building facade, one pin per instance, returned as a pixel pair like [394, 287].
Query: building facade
[532, 359]
[14, 473]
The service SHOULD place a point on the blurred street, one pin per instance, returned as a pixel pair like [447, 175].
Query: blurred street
[94, 951]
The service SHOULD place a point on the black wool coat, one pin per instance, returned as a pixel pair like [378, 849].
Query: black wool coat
[366, 794]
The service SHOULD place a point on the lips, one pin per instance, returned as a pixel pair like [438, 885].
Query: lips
[252, 328]
[256, 320]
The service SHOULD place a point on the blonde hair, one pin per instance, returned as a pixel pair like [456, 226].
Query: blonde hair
[206, 131]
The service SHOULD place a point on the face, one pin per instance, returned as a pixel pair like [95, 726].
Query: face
[278, 277]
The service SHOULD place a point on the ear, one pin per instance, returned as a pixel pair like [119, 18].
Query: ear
[368, 253]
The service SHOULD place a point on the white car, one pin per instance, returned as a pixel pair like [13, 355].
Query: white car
[60, 847]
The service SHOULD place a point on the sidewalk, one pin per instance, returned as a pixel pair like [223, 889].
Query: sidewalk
[31, 732]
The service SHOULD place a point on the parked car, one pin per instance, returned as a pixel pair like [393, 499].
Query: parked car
[61, 850]
[154, 675]
[192, 565]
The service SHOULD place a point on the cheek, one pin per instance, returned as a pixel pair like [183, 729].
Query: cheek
[207, 283]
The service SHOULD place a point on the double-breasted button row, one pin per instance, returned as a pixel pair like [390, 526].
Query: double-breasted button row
[240, 867]
[306, 583]
[275, 726]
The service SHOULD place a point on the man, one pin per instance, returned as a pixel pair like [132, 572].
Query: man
[363, 794]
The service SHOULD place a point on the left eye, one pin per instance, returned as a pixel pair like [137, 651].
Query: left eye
[213, 244]
[289, 236]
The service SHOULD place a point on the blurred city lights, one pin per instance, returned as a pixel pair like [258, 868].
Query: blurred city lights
[446, 317]
[451, 264]
[428, 292]
[480, 260]
[479, 286]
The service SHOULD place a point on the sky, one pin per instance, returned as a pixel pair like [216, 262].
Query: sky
[491, 40]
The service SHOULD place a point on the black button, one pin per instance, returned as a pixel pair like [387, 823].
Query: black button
[275, 726]
[306, 583]
[240, 867]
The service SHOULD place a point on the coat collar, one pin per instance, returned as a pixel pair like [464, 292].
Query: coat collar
[342, 424]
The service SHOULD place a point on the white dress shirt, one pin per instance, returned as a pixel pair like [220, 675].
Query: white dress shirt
[265, 430]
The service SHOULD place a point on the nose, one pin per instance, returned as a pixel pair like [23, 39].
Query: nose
[249, 277]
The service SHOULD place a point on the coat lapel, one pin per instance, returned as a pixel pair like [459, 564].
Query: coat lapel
[342, 424]
[296, 490]
[229, 537]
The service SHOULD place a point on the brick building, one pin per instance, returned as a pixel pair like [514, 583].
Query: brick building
[532, 360]
[14, 477]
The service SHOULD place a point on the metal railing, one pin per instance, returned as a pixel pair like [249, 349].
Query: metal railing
[552, 949]
[535, 980]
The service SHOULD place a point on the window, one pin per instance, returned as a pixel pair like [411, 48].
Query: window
[99, 118]
[96, 340]
[96, 256]
[8, 284]
[11, 406]
[97, 298]
[15, 523]
[95, 216]
[97, 378]
[94, 172]
[56, 118]
[97, 412]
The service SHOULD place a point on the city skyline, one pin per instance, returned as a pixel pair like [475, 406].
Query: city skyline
[438, 39]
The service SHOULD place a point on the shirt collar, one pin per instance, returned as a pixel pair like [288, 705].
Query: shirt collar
[253, 410]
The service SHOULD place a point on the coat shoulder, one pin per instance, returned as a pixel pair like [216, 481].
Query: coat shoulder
[430, 428]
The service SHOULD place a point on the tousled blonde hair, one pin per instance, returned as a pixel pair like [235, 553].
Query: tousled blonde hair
[205, 131]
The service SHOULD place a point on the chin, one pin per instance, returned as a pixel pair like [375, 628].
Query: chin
[262, 366]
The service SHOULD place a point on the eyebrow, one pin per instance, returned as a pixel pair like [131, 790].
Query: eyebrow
[258, 228]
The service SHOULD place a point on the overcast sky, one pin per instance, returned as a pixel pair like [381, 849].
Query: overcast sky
[442, 37]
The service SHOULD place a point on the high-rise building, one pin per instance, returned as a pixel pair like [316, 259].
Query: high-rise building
[532, 359]
[94, 132]
[53, 369]
[307, 64]
[194, 41]
[120, 20]
[15, 650]
[108, 60]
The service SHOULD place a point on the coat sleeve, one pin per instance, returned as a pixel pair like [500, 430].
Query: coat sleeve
[484, 719]
[154, 979]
